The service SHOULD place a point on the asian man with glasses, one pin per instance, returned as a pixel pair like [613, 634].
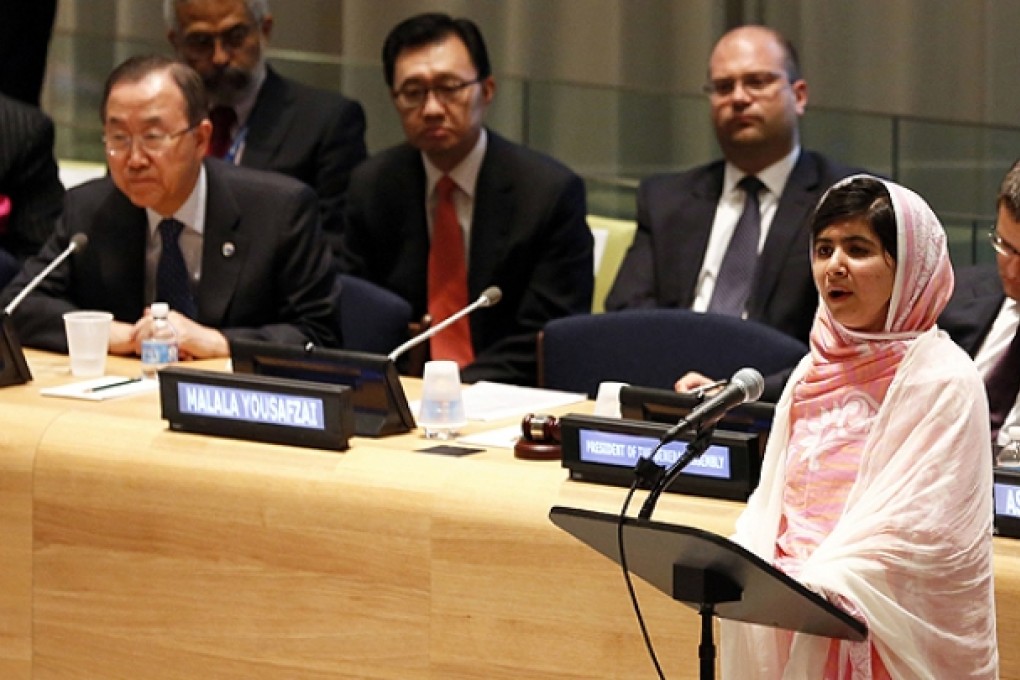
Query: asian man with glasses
[238, 252]
[457, 208]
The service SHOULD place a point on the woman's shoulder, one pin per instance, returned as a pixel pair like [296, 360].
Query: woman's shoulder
[934, 357]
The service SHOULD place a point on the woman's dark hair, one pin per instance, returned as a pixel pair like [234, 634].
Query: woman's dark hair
[863, 197]
[424, 29]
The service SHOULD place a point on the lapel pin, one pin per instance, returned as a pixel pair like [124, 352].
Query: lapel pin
[228, 249]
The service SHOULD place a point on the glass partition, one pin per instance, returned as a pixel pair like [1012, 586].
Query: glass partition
[611, 136]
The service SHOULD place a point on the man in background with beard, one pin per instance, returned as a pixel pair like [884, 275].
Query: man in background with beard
[261, 119]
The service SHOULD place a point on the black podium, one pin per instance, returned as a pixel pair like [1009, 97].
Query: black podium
[711, 574]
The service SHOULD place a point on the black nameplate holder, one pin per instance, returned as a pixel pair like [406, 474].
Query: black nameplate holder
[13, 366]
[605, 450]
[668, 406]
[1006, 490]
[257, 408]
[380, 405]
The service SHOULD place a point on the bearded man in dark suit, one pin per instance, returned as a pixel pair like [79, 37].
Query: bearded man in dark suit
[253, 261]
[263, 120]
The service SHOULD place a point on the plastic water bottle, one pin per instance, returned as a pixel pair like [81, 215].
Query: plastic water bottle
[160, 348]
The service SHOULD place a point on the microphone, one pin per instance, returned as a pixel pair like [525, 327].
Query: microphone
[745, 385]
[78, 242]
[488, 298]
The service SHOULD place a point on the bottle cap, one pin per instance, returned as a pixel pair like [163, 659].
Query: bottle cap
[160, 308]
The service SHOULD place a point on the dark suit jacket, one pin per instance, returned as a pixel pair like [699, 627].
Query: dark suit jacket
[312, 135]
[274, 284]
[675, 214]
[977, 298]
[28, 176]
[529, 237]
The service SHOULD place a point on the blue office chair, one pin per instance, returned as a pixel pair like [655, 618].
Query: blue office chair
[372, 318]
[654, 347]
[376, 320]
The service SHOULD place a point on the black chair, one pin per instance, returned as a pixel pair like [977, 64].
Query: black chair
[376, 320]
[9, 267]
[654, 347]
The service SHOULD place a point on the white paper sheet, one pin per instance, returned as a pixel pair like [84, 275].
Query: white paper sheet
[112, 386]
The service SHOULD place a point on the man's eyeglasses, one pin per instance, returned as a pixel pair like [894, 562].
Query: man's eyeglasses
[199, 44]
[1001, 246]
[755, 84]
[121, 143]
[414, 95]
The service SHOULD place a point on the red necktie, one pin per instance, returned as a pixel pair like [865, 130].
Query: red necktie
[223, 119]
[447, 280]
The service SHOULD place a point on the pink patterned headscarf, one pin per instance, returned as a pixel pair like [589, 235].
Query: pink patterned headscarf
[850, 371]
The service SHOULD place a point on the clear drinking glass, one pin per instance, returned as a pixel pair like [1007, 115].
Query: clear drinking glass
[442, 406]
[1009, 455]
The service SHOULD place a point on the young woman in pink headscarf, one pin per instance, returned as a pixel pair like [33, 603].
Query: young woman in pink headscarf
[876, 488]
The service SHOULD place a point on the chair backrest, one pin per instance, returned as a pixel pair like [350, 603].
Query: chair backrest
[612, 240]
[654, 347]
[372, 318]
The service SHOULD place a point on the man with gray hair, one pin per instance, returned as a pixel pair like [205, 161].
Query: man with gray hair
[237, 253]
[261, 119]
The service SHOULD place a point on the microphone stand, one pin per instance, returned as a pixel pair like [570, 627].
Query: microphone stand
[694, 449]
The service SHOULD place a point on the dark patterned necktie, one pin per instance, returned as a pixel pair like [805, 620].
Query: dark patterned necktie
[736, 274]
[172, 284]
[1002, 384]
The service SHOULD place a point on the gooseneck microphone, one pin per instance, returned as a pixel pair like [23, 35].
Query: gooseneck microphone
[78, 242]
[746, 385]
[488, 298]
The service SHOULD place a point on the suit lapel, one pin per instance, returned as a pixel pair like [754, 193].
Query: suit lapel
[118, 240]
[269, 122]
[705, 193]
[493, 217]
[797, 201]
[984, 298]
[224, 247]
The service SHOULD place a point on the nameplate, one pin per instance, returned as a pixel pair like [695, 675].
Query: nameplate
[257, 408]
[605, 451]
[1006, 491]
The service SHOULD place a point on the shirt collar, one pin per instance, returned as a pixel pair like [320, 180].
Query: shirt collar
[773, 177]
[192, 211]
[466, 172]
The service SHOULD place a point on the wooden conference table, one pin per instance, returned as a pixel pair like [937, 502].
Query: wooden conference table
[128, 551]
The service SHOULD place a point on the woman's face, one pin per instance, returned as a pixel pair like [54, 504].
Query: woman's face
[854, 274]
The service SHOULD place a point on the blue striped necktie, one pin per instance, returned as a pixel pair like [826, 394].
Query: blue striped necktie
[172, 284]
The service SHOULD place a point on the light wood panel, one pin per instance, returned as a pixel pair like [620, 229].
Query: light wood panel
[136, 552]
[22, 428]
